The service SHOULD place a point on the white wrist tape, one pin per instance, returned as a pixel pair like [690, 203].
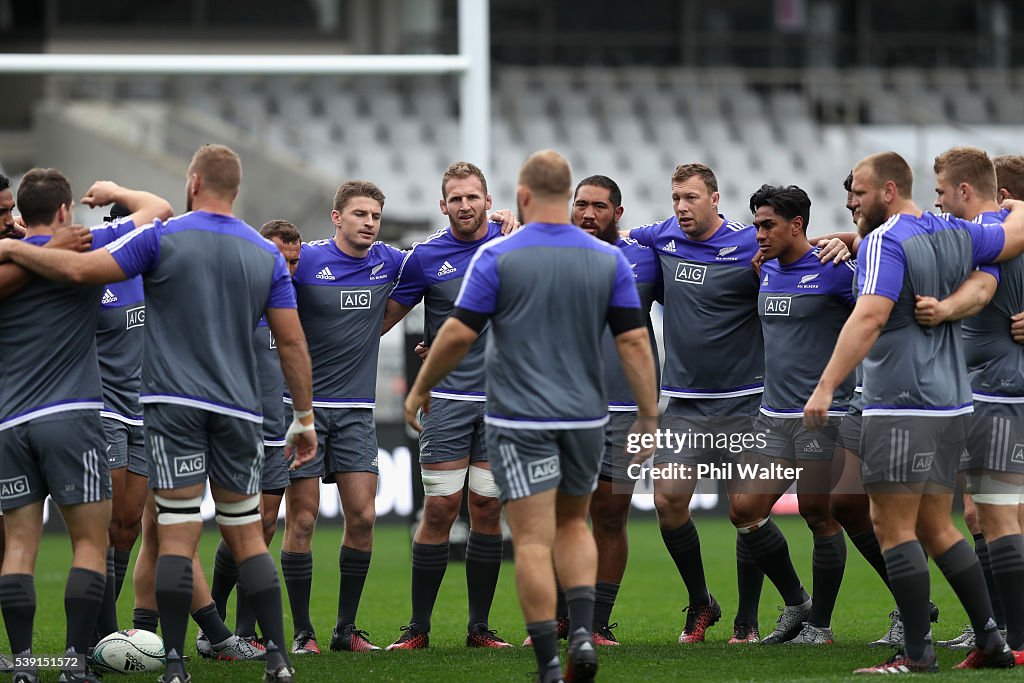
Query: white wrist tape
[296, 427]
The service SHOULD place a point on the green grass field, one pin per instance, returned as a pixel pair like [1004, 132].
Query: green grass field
[648, 611]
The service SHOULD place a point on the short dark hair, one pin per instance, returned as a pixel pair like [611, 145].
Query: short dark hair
[5, 182]
[41, 193]
[614, 193]
[282, 230]
[357, 188]
[789, 201]
[219, 167]
[1010, 174]
[848, 183]
[684, 172]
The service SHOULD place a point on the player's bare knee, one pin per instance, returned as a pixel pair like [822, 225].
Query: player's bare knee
[440, 512]
[673, 510]
[359, 524]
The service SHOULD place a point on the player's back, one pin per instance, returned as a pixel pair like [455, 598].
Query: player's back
[910, 365]
[544, 356]
[207, 282]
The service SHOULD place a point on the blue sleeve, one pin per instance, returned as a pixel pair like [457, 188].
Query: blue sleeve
[138, 251]
[881, 266]
[624, 294]
[102, 235]
[645, 234]
[282, 292]
[410, 286]
[845, 272]
[990, 268]
[987, 240]
[479, 291]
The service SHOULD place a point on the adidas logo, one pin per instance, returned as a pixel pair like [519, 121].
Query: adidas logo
[671, 246]
[326, 274]
[446, 269]
[108, 297]
[765, 280]
[813, 447]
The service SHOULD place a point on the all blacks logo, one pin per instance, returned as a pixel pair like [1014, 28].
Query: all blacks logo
[12, 488]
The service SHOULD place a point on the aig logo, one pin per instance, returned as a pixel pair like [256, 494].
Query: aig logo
[136, 317]
[273, 341]
[922, 462]
[184, 465]
[12, 488]
[776, 305]
[545, 469]
[355, 299]
[692, 273]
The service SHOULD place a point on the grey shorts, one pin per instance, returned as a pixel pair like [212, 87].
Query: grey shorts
[526, 462]
[346, 442]
[615, 460]
[911, 450]
[185, 445]
[60, 455]
[275, 469]
[453, 430]
[709, 430]
[787, 438]
[126, 446]
[849, 430]
[995, 438]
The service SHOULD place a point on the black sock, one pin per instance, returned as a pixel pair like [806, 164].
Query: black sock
[961, 568]
[605, 593]
[749, 581]
[122, 558]
[1007, 556]
[867, 543]
[107, 622]
[297, 571]
[580, 601]
[173, 599]
[544, 635]
[211, 623]
[83, 600]
[145, 619]
[483, 564]
[981, 551]
[429, 562]
[225, 576]
[768, 547]
[245, 618]
[907, 569]
[18, 603]
[561, 609]
[828, 565]
[354, 565]
[684, 546]
[258, 577]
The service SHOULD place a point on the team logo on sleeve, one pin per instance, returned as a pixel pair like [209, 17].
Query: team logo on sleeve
[355, 299]
[136, 317]
[545, 469]
[777, 305]
[13, 488]
[692, 273]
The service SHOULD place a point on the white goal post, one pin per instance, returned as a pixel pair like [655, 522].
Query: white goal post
[472, 64]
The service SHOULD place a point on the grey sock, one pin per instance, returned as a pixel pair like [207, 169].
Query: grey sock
[962, 569]
[907, 569]
[1007, 556]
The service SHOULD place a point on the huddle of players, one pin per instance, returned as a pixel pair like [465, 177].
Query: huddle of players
[802, 298]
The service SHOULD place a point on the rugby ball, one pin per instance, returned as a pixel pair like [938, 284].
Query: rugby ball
[129, 652]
